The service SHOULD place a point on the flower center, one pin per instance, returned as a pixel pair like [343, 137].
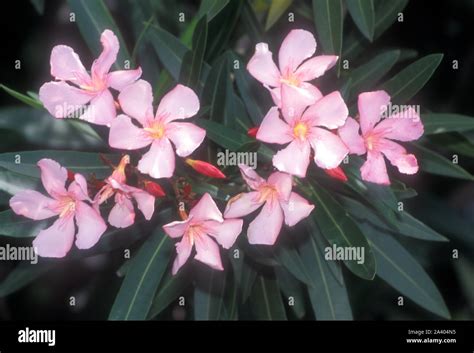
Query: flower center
[67, 206]
[370, 142]
[291, 80]
[194, 231]
[156, 130]
[300, 130]
[267, 193]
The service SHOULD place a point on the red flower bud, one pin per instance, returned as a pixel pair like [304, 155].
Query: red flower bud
[252, 132]
[153, 188]
[205, 168]
[70, 175]
[337, 173]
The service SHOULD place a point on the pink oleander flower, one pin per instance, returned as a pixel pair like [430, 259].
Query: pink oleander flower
[376, 138]
[122, 214]
[136, 101]
[203, 223]
[306, 129]
[68, 204]
[62, 99]
[279, 204]
[293, 75]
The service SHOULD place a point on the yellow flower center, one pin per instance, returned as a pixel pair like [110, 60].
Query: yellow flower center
[291, 80]
[300, 130]
[156, 130]
[267, 193]
[67, 205]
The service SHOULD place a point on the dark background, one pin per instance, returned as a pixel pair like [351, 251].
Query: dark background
[429, 27]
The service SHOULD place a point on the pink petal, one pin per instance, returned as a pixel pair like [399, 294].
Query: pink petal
[283, 183]
[296, 47]
[78, 188]
[145, 202]
[293, 159]
[122, 214]
[207, 252]
[110, 45]
[276, 95]
[176, 229]
[102, 110]
[183, 250]
[371, 106]
[251, 177]
[315, 67]
[349, 134]
[90, 226]
[179, 103]
[61, 99]
[225, 233]
[329, 150]
[242, 204]
[296, 209]
[264, 229]
[273, 129]
[159, 161]
[32, 204]
[206, 209]
[55, 241]
[127, 136]
[66, 65]
[294, 100]
[330, 111]
[53, 177]
[262, 67]
[136, 101]
[118, 80]
[397, 155]
[185, 136]
[404, 126]
[374, 169]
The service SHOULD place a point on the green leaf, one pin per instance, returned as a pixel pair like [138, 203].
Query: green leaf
[293, 290]
[287, 255]
[211, 8]
[138, 289]
[438, 123]
[400, 270]
[33, 125]
[13, 183]
[266, 301]
[226, 137]
[93, 17]
[22, 275]
[16, 226]
[193, 60]
[366, 76]
[328, 296]
[35, 103]
[251, 22]
[434, 163]
[38, 5]
[340, 229]
[247, 281]
[363, 14]
[79, 162]
[386, 13]
[407, 224]
[208, 294]
[277, 9]
[411, 79]
[328, 20]
[169, 49]
[169, 290]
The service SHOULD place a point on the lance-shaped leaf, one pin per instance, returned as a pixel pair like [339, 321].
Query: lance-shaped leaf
[138, 289]
[277, 9]
[23, 275]
[287, 255]
[32, 102]
[16, 226]
[224, 136]
[363, 14]
[93, 17]
[438, 123]
[412, 78]
[193, 60]
[209, 294]
[293, 292]
[266, 301]
[400, 270]
[328, 295]
[340, 229]
[434, 163]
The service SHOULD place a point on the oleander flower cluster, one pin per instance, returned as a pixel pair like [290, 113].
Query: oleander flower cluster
[305, 122]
